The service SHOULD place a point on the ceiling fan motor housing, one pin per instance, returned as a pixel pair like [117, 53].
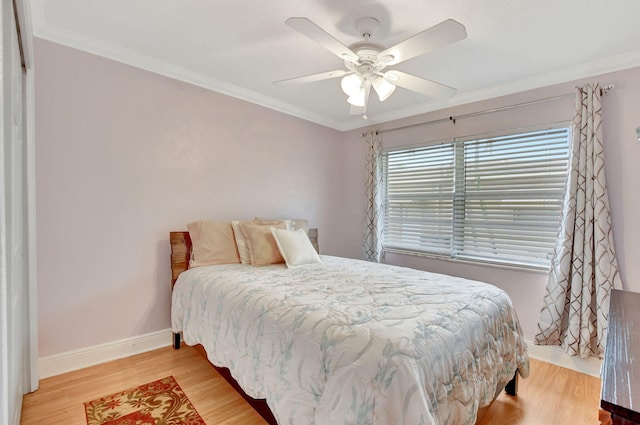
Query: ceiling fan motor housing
[367, 27]
[367, 55]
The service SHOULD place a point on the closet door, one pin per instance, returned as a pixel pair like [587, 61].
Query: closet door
[14, 317]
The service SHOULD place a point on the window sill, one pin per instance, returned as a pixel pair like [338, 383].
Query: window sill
[470, 261]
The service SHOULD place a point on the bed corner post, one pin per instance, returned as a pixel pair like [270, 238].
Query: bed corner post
[180, 255]
[512, 386]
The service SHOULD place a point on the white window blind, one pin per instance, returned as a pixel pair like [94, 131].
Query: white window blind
[496, 199]
[418, 204]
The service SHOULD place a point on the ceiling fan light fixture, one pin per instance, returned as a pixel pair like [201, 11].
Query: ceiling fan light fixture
[383, 88]
[352, 84]
[357, 99]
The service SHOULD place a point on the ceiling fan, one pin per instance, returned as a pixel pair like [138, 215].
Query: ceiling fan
[366, 60]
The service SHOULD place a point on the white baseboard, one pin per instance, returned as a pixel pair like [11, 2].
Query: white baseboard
[90, 356]
[555, 355]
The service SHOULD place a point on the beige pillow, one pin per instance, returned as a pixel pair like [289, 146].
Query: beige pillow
[272, 222]
[241, 242]
[262, 246]
[212, 243]
[295, 247]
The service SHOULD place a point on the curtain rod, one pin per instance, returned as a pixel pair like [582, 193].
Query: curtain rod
[603, 91]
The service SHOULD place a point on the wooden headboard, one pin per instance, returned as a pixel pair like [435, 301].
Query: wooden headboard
[180, 254]
[181, 251]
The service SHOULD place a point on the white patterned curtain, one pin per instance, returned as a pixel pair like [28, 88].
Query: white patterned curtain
[584, 267]
[372, 244]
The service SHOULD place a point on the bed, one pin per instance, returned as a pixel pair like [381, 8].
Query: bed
[345, 341]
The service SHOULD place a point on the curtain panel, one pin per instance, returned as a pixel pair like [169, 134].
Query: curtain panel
[584, 267]
[372, 243]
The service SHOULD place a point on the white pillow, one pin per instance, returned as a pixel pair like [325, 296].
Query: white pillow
[295, 247]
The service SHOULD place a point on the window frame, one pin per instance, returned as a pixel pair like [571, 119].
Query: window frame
[458, 143]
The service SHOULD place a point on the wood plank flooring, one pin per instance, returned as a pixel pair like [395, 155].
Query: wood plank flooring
[60, 399]
[551, 395]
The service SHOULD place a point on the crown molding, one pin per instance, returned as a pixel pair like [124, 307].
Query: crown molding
[48, 31]
[75, 40]
[589, 70]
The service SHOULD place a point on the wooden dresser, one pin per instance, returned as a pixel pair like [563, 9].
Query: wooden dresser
[621, 367]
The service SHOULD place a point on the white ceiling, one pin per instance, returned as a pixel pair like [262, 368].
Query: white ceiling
[240, 47]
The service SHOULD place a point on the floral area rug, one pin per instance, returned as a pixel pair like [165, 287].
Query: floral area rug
[161, 402]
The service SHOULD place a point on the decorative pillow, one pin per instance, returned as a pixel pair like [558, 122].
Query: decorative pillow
[212, 243]
[262, 246]
[241, 242]
[299, 223]
[272, 222]
[295, 247]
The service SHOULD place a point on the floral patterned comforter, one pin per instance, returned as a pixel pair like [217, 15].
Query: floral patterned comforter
[352, 342]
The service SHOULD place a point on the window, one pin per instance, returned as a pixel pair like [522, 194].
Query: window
[496, 199]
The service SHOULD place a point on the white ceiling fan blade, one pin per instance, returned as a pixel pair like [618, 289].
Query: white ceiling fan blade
[442, 34]
[307, 28]
[419, 85]
[312, 78]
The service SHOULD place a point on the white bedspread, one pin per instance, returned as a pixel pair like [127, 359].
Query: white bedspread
[353, 342]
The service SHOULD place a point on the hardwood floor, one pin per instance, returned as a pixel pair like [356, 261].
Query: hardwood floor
[551, 395]
[60, 399]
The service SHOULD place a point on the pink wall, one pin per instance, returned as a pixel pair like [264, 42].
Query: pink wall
[621, 115]
[124, 156]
